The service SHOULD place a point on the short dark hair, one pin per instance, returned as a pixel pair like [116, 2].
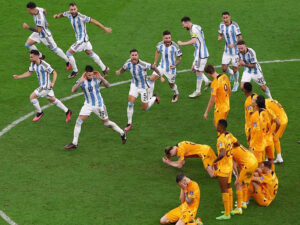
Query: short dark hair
[267, 164]
[31, 5]
[168, 150]
[133, 50]
[89, 68]
[241, 42]
[35, 52]
[260, 101]
[209, 69]
[248, 86]
[185, 19]
[225, 13]
[179, 177]
[166, 32]
[223, 123]
[72, 4]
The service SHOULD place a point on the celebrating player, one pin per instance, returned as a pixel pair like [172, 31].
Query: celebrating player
[190, 198]
[220, 94]
[231, 32]
[43, 71]
[200, 55]
[170, 58]
[187, 149]
[252, 69]
[89, 83]
[139, 84]
[41, 33]
[78, 22]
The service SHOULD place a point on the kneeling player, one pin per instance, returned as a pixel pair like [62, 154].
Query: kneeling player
[190, 198]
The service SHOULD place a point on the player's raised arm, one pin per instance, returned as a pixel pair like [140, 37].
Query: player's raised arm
[24, 75]
[59, 15]
[190, 42]
[104, 82]
[188, 199]
[78, 83]
[97, 23]
[182, 196]
[118, 72]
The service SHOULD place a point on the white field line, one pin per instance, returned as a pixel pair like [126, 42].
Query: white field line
[6, 218]
[16, 122]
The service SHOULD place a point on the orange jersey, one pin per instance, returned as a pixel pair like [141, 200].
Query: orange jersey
[257, 140]
[220, 87]
[276, 108]
[225, 142]
[187, 149]
[267, 117]
[248, 110]
[269, 184]
[192, 191]
[243, 156]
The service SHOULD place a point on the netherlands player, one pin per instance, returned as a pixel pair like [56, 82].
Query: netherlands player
[89, 83]
[43, 71]
[139, 84]
[41, 33]
[170, 58]
[231, 32]
[78, 22]
[252, 69]
[186, 212]
[200, 55]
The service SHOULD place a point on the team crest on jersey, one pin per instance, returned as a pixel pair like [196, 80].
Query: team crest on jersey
[211, 90]
[249, 107]
[191, 192]
[220, 144]
[255, 124]
[39, 22]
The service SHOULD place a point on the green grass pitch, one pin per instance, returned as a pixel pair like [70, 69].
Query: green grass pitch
[103, 181]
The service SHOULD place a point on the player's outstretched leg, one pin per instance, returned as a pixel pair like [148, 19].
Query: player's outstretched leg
[97, 60]
[60, 105]
[115, 127]
[154, 98]
[199, 80]
[130, 109]
[175, 90]
[206, 81]
[77, 129]
[62, 55]
[71, 58]
[35, 102]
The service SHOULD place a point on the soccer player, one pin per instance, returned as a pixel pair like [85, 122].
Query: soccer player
[89, 83]
[252, 69]
[190, 198]
[246, 161]
[200, 55]
[43, 71]
[264, 185]
[220, 94]
[139, 84]
[41, 33]
[170, 58]
[248, 108]
[187, 149]
[78, 22]
[232, 33]
[276, 107]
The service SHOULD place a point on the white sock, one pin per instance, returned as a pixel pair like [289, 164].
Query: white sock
[36, 105]
[206, 80]
[151, 84]
[236, 77]
[268, 93]
[114, 126]
[97, 60]
[60, 105]
[130, 112]
[33, 47]
[279, 156]
[230, 71]
[77, 130]
[174, 88]
[150, 102]
[72, 61]
[199, 83]
[61, 54]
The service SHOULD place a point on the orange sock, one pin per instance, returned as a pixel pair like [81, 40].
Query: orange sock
[230, 199]
[225, 199]
[239, 196]
[273, 167]
[245, 193]
[277, 146]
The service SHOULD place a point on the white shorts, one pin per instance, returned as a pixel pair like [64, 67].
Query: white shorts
[48, 41]
[171, 77]
[79, 46]
[43, 92]
[87, 109]
[227, 58]
[135, 91]
[199, 64]
[257, 78]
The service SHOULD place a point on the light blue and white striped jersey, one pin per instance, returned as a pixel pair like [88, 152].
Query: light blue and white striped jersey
[91, 92]
[200, 46]
[40, 21]
[249, 58]
[138, 72]
[43, 71]
[168, 55]
[230, 34]
[79, 25]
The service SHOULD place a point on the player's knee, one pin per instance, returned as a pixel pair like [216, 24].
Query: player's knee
[54, 49]
[108, 124]
[27, 45]
[91, 54]
[224, 68]
[164, 220]
[68, 53]
[130, 104]
[79, 121]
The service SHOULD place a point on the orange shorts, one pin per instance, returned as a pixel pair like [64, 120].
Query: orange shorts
[218, 173]
[219, 116]
[260, 156]
[280, 131]
[260, 197]
[270, 151]
[185, 215]
[246, 173]
[209, 159]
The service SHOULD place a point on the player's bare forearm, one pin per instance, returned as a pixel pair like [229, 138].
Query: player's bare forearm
[98, 24]
[240, 37]
[220, 37]
[105, 83]
[57, 16]
[182, 196]
[153, 66]
[177, 164]
[54, 74]
[190, 42]
[76, 86]
[220, 156]
[156, 57]
[24, 75]
[210, 103]
[251, 65]
[120, 71]
[178, 60]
